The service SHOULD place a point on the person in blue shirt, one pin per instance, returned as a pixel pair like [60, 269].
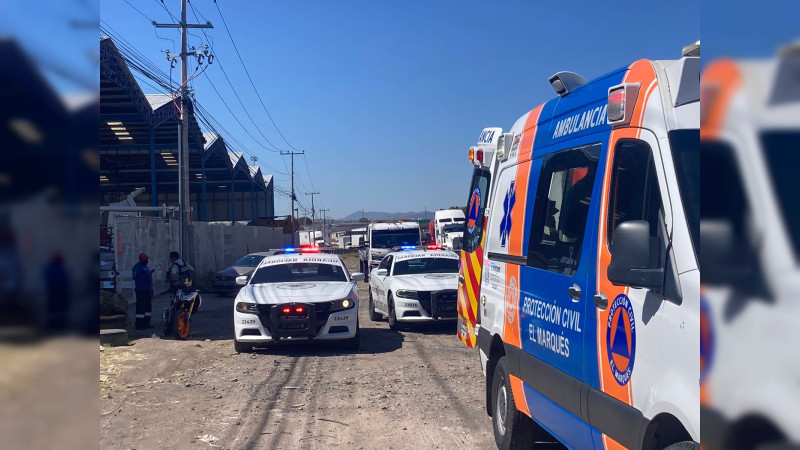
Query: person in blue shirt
[143, 286]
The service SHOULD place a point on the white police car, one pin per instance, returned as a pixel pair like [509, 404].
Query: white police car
[302, 294]
[414, 284]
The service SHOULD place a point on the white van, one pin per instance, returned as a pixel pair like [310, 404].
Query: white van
[449, 228]
[579, 280]
[750, 235]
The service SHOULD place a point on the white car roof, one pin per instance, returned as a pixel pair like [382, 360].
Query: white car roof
[412, 254]
[289, 258]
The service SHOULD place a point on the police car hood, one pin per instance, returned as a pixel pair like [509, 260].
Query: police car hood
[305, 292]
[426, 282]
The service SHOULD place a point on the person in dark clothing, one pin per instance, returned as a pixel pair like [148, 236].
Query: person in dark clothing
[58, 292]
[143, 286]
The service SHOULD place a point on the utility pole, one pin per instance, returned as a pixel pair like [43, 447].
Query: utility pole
[313, 221]
[294, 228]
[183, 125]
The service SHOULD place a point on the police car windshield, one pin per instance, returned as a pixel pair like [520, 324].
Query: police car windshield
[298, 272]
[249, 261]
[425, 265]
[394, 238]
[686, 150]
[782, 156]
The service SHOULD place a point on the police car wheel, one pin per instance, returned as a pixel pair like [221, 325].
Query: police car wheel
[512, 430]
[394, 325]
[241, 347]
[373, 315]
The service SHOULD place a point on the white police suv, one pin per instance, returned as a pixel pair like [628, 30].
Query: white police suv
[301, 294]
[414, 284]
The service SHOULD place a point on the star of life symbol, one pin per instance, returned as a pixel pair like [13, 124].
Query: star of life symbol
[508, 206]
[512, 298]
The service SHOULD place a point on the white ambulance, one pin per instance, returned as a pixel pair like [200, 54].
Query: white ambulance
[579, 281]
[750, 235]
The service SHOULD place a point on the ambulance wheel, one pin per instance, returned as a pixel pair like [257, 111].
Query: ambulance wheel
[241, 347]
[512, 429]
[373, 315]
[685, 445]
[394, 325]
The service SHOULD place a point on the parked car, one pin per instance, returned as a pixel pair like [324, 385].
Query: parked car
[225, 279]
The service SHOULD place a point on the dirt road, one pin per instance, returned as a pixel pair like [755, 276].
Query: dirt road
[419, 388]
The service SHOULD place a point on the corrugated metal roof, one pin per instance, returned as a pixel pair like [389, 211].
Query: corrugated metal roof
[158, 100]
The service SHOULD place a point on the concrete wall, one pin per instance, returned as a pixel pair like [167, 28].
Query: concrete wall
[216, 246]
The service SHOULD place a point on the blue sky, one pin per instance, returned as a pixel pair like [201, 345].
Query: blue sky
[386, 97]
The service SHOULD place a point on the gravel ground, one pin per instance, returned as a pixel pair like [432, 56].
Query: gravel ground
[418, 388]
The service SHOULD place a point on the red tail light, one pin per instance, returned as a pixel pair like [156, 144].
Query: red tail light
[299, 309]
[286, 310]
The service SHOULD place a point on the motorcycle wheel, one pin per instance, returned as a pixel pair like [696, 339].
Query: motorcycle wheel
[182, 324]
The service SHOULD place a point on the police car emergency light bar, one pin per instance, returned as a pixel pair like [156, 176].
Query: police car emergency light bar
[434, 247]
[309, 249]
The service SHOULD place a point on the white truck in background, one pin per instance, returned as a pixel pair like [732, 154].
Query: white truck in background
[382, 237]
[449, 228]
[309, 237]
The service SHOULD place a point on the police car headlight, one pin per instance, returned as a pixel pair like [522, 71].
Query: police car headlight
[247, 308]
[342, 305]
[405, 293]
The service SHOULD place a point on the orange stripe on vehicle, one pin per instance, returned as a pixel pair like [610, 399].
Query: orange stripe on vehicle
[720, 81]
[640, 71]
[521, 180]
[518, 391]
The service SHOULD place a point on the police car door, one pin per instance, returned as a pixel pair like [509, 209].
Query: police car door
[555, 291]
[469, 271]
[380, 283]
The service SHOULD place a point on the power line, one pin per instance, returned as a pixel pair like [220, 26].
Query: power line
[225, 24]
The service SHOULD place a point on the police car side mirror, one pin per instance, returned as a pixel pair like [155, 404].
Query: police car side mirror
[358, 276]
[381, 272]
[630, 257]
[241, 280]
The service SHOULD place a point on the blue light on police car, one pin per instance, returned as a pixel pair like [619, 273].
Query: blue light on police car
[289, 250]
[408, 247]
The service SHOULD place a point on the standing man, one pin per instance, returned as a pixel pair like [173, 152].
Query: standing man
[143, 279]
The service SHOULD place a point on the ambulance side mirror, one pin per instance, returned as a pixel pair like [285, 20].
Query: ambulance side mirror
[728, 259]
[630, 257]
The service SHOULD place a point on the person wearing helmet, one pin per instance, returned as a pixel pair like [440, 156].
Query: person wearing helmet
[143, 286]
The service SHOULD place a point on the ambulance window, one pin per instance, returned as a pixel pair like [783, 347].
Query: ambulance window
[561, 209]
[781, 151]
[476, 207]
[634, 191]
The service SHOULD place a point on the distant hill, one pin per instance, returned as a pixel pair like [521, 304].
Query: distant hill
[386, 215]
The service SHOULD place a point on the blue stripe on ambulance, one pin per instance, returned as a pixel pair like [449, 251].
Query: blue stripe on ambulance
[568, 127]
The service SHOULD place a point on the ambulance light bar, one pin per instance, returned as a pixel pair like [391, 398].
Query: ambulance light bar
[621, 101]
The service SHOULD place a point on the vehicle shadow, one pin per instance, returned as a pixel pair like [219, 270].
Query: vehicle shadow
[373, 341]
[432, 328]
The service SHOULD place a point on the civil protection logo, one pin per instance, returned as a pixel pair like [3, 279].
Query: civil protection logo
[512, 299]
[473, 210]
[508, 207]
[621, 339]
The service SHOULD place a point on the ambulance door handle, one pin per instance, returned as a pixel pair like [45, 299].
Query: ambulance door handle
[601, 301]
[461, 280]
[575, 292]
